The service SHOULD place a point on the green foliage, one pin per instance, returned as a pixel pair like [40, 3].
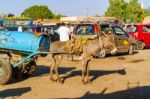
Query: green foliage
[147, 12]
[10, 15]
[124, 10]
[134, 11]
[37, 12]
[116, 8]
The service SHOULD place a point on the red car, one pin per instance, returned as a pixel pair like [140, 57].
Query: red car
[141, 33]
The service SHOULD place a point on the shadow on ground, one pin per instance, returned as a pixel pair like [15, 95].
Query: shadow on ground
[45, 70]
[131, 93]
[14, 93]
[146, 48]
[70, 72]
[94, 73]
[42, 71]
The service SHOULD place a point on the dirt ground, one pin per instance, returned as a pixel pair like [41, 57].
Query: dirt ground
[118, 77]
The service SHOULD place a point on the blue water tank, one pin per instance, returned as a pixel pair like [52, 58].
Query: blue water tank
[23, 41]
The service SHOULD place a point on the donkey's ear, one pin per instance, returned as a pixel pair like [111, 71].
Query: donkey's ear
[109, 32]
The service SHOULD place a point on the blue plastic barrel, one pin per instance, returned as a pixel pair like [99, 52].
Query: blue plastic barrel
[23, 41]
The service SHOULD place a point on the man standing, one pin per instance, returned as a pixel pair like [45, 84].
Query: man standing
[20, 28]
[63, 32]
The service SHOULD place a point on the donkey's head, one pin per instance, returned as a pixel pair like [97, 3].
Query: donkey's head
[109, 41]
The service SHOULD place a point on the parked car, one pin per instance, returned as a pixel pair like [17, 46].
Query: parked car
[49, 29]
[140, 32]
[124, 43]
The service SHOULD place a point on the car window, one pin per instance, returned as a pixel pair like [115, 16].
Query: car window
[84, 29]
[146, 29]
[105, 28]
[130, 28]
[119, 31]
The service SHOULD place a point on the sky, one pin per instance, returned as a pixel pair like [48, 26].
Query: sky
[66, 7]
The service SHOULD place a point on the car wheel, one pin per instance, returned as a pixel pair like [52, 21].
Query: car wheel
[131, 50]
[101, 54]
[140, 45]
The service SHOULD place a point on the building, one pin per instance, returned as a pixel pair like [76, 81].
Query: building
[76, 20]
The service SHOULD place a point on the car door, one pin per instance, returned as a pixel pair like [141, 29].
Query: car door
[146, 34]
[121, 39]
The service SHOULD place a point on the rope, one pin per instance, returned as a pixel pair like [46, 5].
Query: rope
[101, 44]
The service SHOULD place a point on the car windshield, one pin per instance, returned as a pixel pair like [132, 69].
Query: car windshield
[84, 29]
[44, 29]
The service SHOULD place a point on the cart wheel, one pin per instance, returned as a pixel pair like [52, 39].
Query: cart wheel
[31, 69]
[140, 45]
[5, 72]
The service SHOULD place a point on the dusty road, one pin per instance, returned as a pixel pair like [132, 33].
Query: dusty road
[112, 77]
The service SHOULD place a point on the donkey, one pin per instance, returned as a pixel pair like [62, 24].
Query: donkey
[103, 41]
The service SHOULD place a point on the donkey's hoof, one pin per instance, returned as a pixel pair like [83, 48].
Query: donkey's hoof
[59, 81]
[83, 81]
[86, 81]
[53, 80]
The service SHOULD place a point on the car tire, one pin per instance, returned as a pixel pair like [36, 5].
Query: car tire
[5, 72]
[140, 45]
[101, 54]
[131, 50]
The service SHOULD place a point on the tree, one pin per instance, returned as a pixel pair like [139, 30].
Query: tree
[124, 10]
[116, 8]
[10, 15]
[134, 11]
[147, 11]
[38, 12]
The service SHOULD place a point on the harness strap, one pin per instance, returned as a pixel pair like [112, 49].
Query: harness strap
[101, 45]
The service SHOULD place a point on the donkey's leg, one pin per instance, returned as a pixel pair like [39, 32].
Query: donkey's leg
[88, 72]
[52, 68]
[58, 61]
[51, 72]
[84, 62]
